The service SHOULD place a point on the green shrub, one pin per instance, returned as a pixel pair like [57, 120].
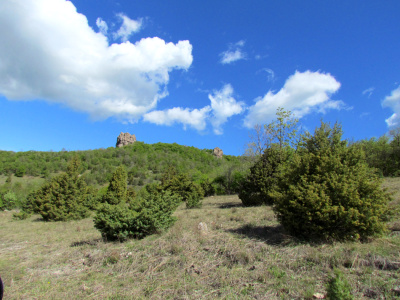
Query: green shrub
[256, 187]
[20, 172]
[206, 184]
[327, 191]
[61, 198]
[9, 201]
[338, 287]
[185, 188]
[22, 215]
[147, 214]
[117, 188]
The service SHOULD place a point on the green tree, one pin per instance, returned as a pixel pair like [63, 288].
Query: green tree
[117, 188]
[274, 145]
[327, 191]
[281, 132]
[185, 188]
[61, 198]
[263, 177]
[20, 172]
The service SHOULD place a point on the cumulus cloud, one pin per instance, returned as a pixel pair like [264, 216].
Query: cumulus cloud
[234, 53]
[302, 94]
[195, 118]
[223, 106]
[393, 102]
[53, 54]
[127, 28]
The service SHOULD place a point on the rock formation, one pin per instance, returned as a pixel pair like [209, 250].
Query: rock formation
[218, 152]
[125, 139]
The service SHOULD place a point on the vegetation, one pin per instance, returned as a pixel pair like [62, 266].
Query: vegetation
[320, 187]
[262, 179]
[339, 288]
[183, 187]
[121, 217]
[384, 153]
[244, 254]
[145, 163]
[272, 146]
[328, 191]
[61, 198]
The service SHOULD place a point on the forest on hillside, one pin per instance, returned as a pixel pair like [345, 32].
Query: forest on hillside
[144, 162]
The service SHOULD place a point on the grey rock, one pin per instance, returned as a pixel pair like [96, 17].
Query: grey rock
[125, 139]
[218, 152]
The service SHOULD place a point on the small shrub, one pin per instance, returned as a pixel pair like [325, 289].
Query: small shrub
[22, 215]
[338, 287]
[61, 198]
[9, 201]
[147, 214]
[193, 201]
[207, 187]
[185, 188]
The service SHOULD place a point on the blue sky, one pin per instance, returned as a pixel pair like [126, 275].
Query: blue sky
[74, 74]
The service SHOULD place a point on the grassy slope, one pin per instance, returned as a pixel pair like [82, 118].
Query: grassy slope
[245, 254]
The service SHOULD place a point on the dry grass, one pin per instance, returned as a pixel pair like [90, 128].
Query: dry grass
[244, 254]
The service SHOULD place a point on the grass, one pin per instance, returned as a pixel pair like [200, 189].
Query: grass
[243, 254]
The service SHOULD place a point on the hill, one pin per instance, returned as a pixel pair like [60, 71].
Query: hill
[144, 162]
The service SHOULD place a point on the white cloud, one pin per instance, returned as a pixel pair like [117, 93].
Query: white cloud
[368, 91]
[195, 118]
[223, 106]
[270, 73]
[52, 54]
[393, 102]
[234, 53]
[127, 28]
[302, 93]
[102, 25]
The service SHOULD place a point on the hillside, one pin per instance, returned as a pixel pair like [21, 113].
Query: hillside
[144, 162]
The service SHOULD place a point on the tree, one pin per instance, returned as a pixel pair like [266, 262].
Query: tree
[276, 142]
[281, 132]
[184, 188]
[117, 188]
[61, 198]
[327, 191]
[262, 179]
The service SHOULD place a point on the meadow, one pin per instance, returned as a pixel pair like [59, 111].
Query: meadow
[243, 254]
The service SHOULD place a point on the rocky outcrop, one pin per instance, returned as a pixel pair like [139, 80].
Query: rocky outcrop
[125, 139]
[218, 152]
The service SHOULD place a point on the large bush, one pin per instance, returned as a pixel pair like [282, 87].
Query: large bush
[61, 198]
[327, 191]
